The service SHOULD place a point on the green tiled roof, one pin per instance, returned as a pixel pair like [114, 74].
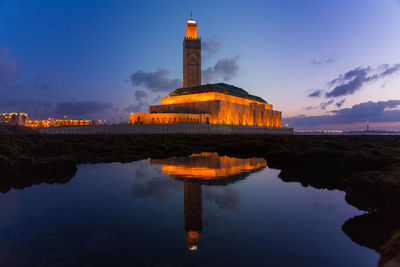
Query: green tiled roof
[216, 87]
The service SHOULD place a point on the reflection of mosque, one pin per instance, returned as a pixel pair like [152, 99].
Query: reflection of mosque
[199, 169]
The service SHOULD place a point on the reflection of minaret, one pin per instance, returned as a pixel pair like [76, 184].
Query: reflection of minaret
[193, 213]
[204, 168]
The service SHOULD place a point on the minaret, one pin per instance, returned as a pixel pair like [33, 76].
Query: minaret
[191, 55]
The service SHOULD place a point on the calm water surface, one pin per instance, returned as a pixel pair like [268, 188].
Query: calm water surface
[202, 210]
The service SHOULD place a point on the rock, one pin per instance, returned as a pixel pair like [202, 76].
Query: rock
[374, 189]
[390, 252]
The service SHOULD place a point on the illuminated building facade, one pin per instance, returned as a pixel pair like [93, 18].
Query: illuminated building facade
[50, 122]
[14, 118]
[204, 168]
[22, 119]
[217, 103]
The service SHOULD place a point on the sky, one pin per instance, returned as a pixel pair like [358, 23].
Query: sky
[325, 64]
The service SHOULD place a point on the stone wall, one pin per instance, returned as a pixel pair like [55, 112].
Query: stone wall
[168, 118]
[166, 129]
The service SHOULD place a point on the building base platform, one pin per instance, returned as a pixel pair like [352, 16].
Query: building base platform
[193, 128]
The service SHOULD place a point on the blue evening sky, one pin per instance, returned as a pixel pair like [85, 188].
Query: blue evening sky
[77, 57]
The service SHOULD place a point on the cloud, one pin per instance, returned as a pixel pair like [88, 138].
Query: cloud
[388, 70]
[226, 198]
[311, 108]
[325, 104]
[340, 103]
[157, 81]
[210, 47]
[40, 84]
[157, 98]
[325, 60]
[322, 106]
[224, 70]
[350, 82]
[48, 109]
[156, 187]
[315, 93]
[136, 108]
[355, 79]
[382, 111]
[8, 67]
[10, 103]
[80, 108]
[140, 94]
[141, 105]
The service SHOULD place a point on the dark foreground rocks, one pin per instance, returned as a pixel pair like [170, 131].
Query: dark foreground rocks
[319, 161]
[377, 192]
[378, 189]
[390, 256]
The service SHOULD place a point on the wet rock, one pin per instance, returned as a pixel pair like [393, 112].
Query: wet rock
[373, 229]
[379, 189]
[390, 252]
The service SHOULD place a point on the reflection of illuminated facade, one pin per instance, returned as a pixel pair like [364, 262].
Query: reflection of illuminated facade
[218, 103]
[208, 166]
[198, 169]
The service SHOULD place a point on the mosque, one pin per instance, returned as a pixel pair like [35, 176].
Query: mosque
[217, 103]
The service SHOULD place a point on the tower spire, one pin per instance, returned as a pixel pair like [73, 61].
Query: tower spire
[191, 55]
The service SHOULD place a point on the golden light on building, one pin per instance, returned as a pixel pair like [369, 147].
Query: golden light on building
[14, 118]
[50, 122]
[22, 119]
[217, 103]
[191, 28]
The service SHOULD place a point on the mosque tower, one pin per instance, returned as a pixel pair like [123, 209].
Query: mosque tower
[191, 55]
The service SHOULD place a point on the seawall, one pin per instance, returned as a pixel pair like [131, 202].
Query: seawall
[166, 129]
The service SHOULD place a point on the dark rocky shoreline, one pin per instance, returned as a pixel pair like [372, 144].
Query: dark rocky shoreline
[367, 168]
